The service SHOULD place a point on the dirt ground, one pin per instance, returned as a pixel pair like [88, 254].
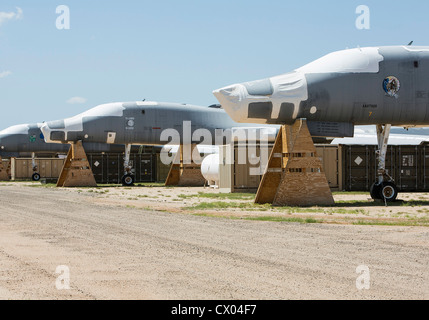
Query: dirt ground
[411, 209]
[152, 242]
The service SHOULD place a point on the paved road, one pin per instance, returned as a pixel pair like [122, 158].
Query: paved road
[124, 253]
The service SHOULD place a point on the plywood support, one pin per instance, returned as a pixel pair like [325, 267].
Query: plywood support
[184, 171]
[76, 171]
[294, 175]
[4, 175]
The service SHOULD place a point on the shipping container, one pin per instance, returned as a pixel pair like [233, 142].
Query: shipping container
[347, 167]
[359, 167]
[238, 177]
[22, 168]
[240, 167]
[331, 164]
[5, 170]
[162, 169]
[109, 167]
[408, 168]
[405, 164]
[424, 161]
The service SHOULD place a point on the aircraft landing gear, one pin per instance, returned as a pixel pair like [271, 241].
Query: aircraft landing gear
[388, 191]
[128, 178]
[35, 176]
[384, 189]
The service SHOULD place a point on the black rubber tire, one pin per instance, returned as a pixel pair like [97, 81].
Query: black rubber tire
[388, 192]
[375, 191]
[35, 177]
[128, 180]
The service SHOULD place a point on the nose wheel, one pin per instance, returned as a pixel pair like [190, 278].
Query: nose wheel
[389, 191]
[36, 175]
[375, 191]
[384, 189]
[128, 179]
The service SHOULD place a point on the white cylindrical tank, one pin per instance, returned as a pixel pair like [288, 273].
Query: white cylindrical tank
[210, 168]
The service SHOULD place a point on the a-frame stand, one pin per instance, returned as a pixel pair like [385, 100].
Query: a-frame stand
[294, 175]
[4, 175]
[185, 173]
[76, 171]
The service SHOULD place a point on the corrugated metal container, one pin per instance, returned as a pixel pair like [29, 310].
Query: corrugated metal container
[408, 176]
[236, 174]
[109, 167]
[332, 164]
[403, 163]
[351, 168]
[22, 168]
[145, 167]
[237, 178]
[244, 179]
[358, 167]
[5, 170]
[347, 167]
[227, 168]
[424, 161]
[161, 169]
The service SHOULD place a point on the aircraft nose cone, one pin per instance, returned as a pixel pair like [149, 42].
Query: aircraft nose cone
[230, 94]
[232, 99]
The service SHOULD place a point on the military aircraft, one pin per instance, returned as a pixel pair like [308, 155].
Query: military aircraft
[143, 123]
[26, 139]
[147, 122]
[382, 86]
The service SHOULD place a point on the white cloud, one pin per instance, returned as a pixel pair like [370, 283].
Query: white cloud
[76, 100]
[4, 74]
[6, 16]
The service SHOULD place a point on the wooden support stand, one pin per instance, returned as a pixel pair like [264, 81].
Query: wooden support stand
[4, 175]
[294, 175]
[185, 174]
[76, 171]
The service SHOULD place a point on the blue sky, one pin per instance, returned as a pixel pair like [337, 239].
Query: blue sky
[173, 51]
